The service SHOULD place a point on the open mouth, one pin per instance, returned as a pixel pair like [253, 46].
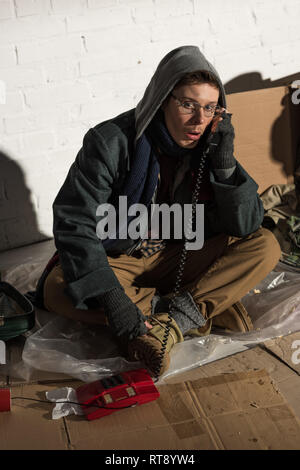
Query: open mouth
[193, 135]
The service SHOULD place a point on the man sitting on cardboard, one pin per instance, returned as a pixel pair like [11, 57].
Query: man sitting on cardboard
[179, 134]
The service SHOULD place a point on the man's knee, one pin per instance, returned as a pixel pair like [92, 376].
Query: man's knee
[261, 247]
[267, 246]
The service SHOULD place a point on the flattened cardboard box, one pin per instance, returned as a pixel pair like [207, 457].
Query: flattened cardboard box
[267, 132]
[228, 411]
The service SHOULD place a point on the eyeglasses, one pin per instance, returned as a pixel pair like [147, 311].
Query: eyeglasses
[190, 107]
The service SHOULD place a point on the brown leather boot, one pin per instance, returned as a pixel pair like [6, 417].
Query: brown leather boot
[235, 318]
[153, 348]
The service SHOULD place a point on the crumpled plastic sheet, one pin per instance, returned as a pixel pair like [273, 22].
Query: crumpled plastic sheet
[90, 353]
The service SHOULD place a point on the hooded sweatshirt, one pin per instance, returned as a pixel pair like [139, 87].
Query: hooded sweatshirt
[99, 174]
[170, 70]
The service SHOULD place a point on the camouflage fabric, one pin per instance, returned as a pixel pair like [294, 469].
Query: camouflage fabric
[282, 216]
[292, 238]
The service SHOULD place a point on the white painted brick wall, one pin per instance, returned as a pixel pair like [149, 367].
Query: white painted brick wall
[69, 64]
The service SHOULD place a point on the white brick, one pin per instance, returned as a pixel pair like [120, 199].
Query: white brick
[281, 52]
[165, 9]
[71, 136]
[69, 6]
[107, 61]
[278, 34]
[292, 10]
[2, 92]
[46, 224]
[172, 28]
[283, 69]
[100, 110]
[11, 146]
[132, 79]
[111, 86]
[199, 28]
[233, 42]
[21, 123]
[42, 119]
[30, 27]
[45, 201]
[127, 2]
[22, 76]
[6, 9]
[103, 42]
[58, 70]
[1, 124]
[47, 179]
[51, 96]
[49, 48]
[218, 7]
[294, 32]
[103, 3]
[143, 12]
[241, 22]
[102, 18]
[7, 57]
[149, 54]
[14, 104]
[61, 160]
[253, 60]
[102, 86]
[35, 165]
[32, 7]
[37, 142]
[269, 12]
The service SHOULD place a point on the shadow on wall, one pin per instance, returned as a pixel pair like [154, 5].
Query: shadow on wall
[254, 81]
[290, 114]
[18, 221]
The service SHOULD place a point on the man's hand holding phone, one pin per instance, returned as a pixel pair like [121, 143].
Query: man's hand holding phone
[221, 141]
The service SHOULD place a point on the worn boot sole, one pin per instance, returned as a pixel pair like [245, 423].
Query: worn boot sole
[234, 319]
[148, 350]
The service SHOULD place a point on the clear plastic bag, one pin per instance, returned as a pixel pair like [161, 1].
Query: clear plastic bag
[89, 353]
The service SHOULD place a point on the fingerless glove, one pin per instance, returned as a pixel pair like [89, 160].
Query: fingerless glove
[221, 148]
[123, 316]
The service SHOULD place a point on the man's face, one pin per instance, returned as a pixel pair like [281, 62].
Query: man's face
[186, 129]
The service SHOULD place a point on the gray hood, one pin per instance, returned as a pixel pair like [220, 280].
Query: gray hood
[170, 70]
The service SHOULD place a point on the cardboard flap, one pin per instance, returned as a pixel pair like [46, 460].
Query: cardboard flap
[266, 134]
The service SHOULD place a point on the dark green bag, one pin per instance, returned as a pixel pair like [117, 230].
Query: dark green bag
[16, 312]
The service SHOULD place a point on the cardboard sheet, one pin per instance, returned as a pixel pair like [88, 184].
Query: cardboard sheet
[287, 349]
[241, 410]
[266, 134]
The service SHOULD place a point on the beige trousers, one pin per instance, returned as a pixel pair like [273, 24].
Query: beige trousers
[217, 276]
